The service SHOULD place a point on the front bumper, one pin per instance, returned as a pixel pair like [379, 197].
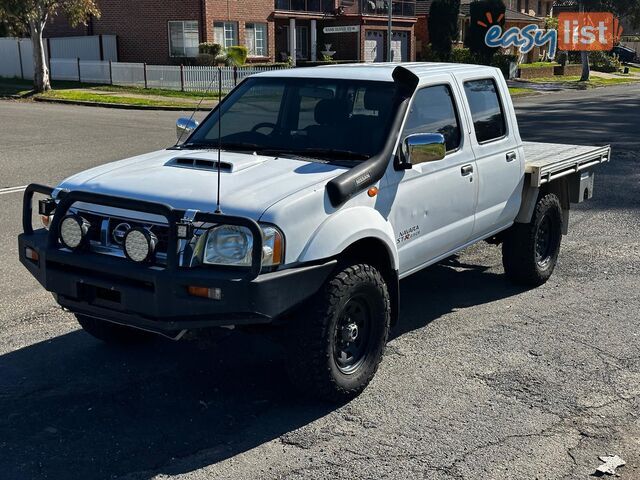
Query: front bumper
[156, 298]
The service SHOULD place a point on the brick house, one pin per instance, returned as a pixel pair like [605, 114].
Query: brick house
[164, 32]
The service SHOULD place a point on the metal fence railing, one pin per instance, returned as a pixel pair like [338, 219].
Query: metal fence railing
[171, 77]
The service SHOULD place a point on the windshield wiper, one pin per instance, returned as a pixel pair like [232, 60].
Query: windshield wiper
[232, 146]
[337, 154]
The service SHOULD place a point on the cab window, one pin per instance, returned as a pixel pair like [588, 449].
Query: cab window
[433, 111]
[486, 109]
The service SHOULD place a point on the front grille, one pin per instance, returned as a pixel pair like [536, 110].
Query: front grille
[106, 234]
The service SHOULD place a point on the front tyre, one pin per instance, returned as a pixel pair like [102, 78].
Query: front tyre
[530, 251]
[337, 342]
[112, 333]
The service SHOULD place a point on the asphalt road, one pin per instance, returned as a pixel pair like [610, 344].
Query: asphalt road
[481, 379]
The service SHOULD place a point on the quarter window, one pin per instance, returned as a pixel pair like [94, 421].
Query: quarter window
[256, 39]
[433, 111]
[183, 39]
[225, 34]
[486, 110]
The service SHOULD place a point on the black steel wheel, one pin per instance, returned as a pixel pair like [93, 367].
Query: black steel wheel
[338, 339]
[353, 334]
[530, 251]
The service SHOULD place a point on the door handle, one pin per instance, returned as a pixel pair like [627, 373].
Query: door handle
[466, 170]
[511, 156]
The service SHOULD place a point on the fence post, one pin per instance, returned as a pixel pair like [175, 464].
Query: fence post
[20, 58]
[79, 78]
[235, 75]
[110, 73]
[145, 75]
[181, 78]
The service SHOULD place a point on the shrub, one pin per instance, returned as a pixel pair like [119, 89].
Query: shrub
[237, 55]
[503, 62]
[427, 54]
[443, 26]
[212, 49]
[462, 55]
[205, 60]
[604, 62]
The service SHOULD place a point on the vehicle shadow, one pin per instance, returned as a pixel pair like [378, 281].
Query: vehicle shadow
[74, 408]
[444, 287]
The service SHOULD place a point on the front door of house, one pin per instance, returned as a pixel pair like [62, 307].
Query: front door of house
[374, 46]
[302, 41]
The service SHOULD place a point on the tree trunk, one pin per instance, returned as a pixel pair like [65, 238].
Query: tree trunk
[41, 81]
[586, 71]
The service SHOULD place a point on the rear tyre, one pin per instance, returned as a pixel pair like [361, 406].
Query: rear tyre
[112, 333]
[530, 251]
[337, 341]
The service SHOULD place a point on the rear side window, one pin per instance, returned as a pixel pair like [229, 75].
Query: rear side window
[486, 110]
[433, 111]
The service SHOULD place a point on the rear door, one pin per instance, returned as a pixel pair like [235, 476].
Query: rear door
[496, 144]
[433, 203]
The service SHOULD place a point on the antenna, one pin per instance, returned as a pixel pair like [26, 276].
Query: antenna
[198, 106]
[219, 134]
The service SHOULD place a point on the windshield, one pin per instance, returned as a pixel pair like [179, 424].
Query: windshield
[323, 118]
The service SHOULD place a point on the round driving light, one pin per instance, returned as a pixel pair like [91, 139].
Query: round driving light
[139, 245]
[73, 229]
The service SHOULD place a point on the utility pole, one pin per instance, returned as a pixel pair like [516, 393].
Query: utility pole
[389, 24]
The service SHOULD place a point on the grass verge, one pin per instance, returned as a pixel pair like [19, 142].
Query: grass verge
[518, 91]
[593, 82]
[84, 96]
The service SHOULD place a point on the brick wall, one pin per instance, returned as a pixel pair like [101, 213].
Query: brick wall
[242, 12]
[142, 26]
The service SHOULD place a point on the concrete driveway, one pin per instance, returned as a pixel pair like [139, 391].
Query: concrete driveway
[480, 380]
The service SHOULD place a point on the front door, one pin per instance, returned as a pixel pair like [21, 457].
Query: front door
[373, 46]
[433, 204]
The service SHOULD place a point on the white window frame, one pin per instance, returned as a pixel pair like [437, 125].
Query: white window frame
[264, 40]
[184, 48]
[227, 27]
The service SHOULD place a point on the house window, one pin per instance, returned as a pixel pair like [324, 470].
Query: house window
[225, 34]
[183, 39]
[256, 39]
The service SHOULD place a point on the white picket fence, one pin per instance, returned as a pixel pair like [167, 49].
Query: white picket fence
[171, 77]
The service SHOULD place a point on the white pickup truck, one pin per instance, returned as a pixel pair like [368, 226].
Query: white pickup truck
[301, 201]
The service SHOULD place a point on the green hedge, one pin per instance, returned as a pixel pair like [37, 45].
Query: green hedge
[212, 49]
[237, 54]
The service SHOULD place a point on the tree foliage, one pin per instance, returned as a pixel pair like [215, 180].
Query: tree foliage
[31, 16]
[443, 26]
[483, 15]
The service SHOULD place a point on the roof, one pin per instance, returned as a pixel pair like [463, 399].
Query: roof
[381, 72]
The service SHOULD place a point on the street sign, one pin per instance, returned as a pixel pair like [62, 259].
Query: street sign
[342, 29]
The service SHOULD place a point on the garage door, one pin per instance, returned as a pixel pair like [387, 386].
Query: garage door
[373, 46]
[400, 47]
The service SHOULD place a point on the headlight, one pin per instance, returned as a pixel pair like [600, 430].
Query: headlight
[232, 245]
[73, 229]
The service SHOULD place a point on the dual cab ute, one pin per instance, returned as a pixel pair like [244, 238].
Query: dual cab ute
[301, 201]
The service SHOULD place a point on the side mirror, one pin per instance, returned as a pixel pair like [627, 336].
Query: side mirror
[421, 148]
[184, 127]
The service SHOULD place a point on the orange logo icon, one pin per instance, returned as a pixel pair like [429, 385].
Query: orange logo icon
[588, 31]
